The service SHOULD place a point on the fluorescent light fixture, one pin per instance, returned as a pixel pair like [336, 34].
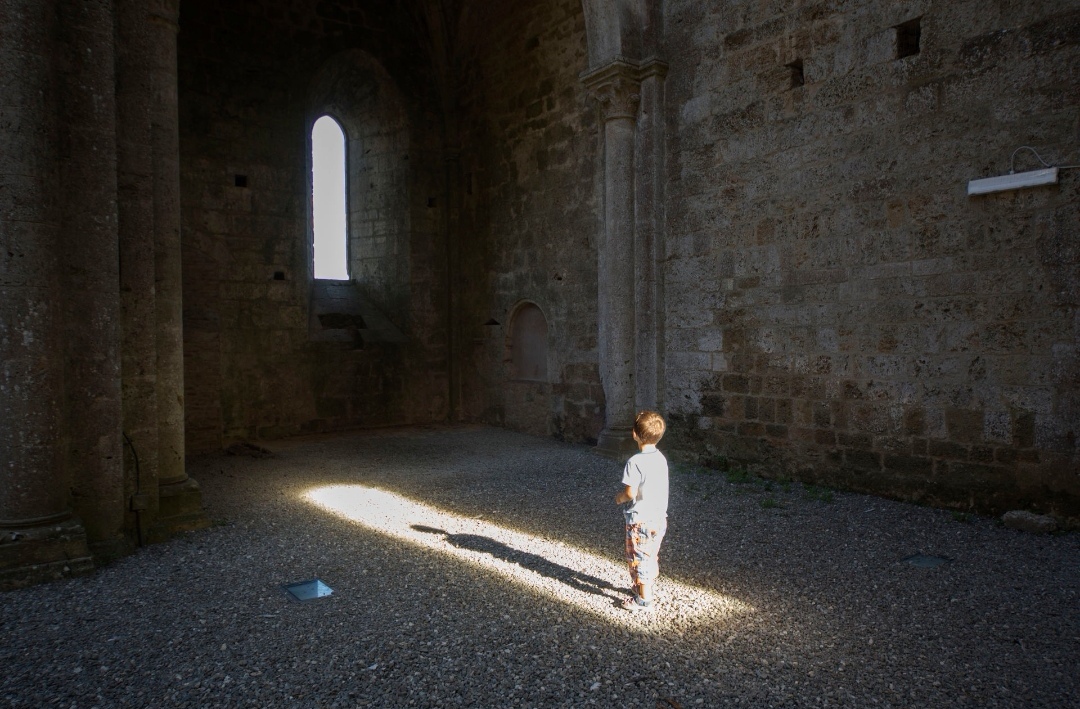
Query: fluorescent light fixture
[1034, 178]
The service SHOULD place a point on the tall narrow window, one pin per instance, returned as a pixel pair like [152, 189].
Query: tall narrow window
[329, 211]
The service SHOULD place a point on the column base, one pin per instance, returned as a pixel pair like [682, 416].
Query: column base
[180, 510]
[36, 554]
[616, 443]
[107, 551]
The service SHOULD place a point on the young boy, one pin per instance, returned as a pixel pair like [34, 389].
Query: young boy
[645, 485]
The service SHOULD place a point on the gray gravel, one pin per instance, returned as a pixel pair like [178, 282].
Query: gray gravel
[496, 587]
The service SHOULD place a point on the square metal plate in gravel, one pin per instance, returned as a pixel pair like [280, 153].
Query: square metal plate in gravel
[308, 590]
[925, 561]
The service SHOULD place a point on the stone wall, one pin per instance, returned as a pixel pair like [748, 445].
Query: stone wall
[834, 306]
[257, 364]
[837, 307]
[530, 211]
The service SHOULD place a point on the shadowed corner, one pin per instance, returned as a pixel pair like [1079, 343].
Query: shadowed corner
[525, 559]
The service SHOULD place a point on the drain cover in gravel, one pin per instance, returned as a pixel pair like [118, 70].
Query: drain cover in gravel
[308, 590]
[925, 561]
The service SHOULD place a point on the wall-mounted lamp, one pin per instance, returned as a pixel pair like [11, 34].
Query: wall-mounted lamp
[1013, 181]
[1016, 180]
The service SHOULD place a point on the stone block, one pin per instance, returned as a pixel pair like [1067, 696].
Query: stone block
[964, 426]
[862, 460]
[948, 450]
[751, 429]
[1025, 521]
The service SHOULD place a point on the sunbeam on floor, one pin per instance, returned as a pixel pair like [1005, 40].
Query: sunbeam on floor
[547, 566]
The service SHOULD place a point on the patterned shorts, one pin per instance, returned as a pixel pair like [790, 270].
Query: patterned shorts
[643, 550]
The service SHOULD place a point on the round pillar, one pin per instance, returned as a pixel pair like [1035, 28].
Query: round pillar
[165, 137]
[89, 258]
[38, 536]
[135, 202]
[616, 88]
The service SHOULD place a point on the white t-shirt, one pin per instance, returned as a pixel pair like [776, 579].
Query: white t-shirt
[647, 472]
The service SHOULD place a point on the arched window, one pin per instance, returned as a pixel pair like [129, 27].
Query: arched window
[329, 208]
[528, 344]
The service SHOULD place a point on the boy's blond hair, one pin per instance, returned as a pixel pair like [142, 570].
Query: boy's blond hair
[649, 427]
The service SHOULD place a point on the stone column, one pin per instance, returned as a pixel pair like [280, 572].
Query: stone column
[180, 501]
[452, 228]
[135, 178]
[616, 87]
[39, 537]
[649, 241]
[89, 259]
[165, 154]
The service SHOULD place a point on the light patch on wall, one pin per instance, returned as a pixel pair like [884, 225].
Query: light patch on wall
[329, 210]
[546, 566]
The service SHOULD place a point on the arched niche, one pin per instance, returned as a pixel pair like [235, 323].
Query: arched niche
[528, 344]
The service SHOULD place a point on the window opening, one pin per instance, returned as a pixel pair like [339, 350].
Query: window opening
[797, 77]
[329, 210]
[907, 38]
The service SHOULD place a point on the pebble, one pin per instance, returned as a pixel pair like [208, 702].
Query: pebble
[804, 602]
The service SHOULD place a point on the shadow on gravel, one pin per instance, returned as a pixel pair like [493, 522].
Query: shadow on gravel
[528, 560]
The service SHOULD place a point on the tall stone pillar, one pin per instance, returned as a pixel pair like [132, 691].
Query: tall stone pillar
[135, 183]
[453, 269]
[39, 536]
[616, 87]
[89, 262]
[649, 236]
[180, 501]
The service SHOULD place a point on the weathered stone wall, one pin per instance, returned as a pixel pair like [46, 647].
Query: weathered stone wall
[530, 215]
[836, 305]
[248, 99]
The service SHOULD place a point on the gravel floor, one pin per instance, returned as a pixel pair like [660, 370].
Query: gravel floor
[476, 567]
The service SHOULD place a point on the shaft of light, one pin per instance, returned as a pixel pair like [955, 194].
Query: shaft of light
[548, 567]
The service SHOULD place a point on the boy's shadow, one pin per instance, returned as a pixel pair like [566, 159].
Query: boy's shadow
[527, 560]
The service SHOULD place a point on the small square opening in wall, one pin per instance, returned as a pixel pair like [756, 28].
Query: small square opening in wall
[797, 77]
[240, 180]
[908, 36]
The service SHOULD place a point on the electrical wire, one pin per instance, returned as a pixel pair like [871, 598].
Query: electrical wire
[1012, 160]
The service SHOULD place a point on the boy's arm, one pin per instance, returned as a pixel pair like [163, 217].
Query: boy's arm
[626, 495]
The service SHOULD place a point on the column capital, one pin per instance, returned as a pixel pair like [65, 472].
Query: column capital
[616, 86]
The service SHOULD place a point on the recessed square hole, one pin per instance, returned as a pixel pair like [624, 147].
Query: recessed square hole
[308, 590]
[797, 77]
[279, 275]
[240, 180]
[908, 35]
